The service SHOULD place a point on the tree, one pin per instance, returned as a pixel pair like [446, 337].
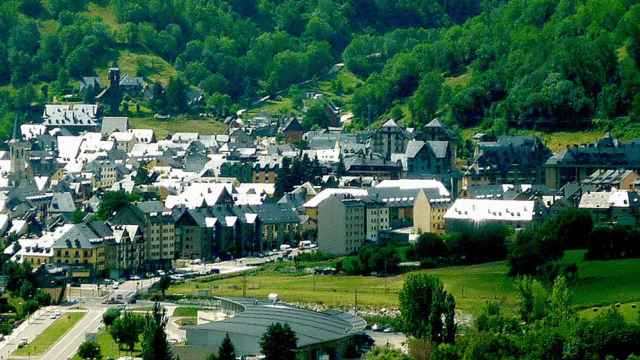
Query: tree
[226, 350]
[560, 309]
[155, 345]
[110, 316]
[385, 353]
[112, 201]
[430, 245]
[316, 116]
[175, 97]
[424, 102]
[126, 330]
[423, 305]
[279, 342]
[89, 350]
[163, 284]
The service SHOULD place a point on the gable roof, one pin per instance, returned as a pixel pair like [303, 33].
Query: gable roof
[292, 125]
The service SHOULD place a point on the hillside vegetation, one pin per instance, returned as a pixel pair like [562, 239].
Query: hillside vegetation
[526, 64]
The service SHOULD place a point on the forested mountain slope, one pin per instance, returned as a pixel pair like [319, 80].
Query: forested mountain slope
[543, 64]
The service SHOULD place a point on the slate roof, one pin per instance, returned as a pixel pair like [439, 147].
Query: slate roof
[62, 202]
[270, 213]
[114, 124]
[292, 124]
[80, 236]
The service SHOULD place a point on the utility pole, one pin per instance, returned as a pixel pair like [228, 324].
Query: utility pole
[355, 300]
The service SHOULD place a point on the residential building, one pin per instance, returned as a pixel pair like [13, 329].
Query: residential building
[621, 179]
[80, 247]
[125, 250]
[265, 171]
[615, 206]
[428, 214]
[376, 218]
[475, 212]
[576, 163]
[158, 231]
[292, 130]
[389, 139]
[102, 173]
[508, 160]
[341, 225]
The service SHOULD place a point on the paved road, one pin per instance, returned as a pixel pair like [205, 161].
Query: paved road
[69, 344]
[30, 329]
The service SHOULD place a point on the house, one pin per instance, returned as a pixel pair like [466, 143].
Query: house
[341, 225]
[80, 248]
[265, 171]
[292, 130]
[428, 214]
[621, 179]
[114, 124]
[578, 162]
[90, 82]
[72, 117]
[158, 231]
[389, 139]
[102, 173]
[510, 160]
[124, 249]
[368, 166]
[614, 206]
[475, 212]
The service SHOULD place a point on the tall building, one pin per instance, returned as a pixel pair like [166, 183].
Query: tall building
[389, 139]
[341, 225]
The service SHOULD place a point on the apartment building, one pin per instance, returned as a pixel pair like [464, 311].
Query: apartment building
[341, 224]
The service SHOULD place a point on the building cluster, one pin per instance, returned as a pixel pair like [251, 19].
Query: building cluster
[209, 197]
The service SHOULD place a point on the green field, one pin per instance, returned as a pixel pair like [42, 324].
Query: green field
[109, 348]
[163, 128]
[600, 283]
[629, 311]
[51, 335]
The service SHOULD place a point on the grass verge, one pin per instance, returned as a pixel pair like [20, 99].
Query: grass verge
[51, 335]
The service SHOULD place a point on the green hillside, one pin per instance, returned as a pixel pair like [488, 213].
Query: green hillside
[600, 283]
[544, 65]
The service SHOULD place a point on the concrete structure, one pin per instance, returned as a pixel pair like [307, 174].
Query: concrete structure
[341, 225]
[321, 335]
[428, 214]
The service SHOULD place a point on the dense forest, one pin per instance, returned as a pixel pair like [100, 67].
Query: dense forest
[543, 64]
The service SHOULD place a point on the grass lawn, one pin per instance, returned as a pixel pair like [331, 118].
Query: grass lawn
[51, 335]
[163, 128]
[109, 348]
[185, 311]
[599, 283]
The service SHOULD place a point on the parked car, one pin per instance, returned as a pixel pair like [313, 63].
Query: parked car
[23, 342]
